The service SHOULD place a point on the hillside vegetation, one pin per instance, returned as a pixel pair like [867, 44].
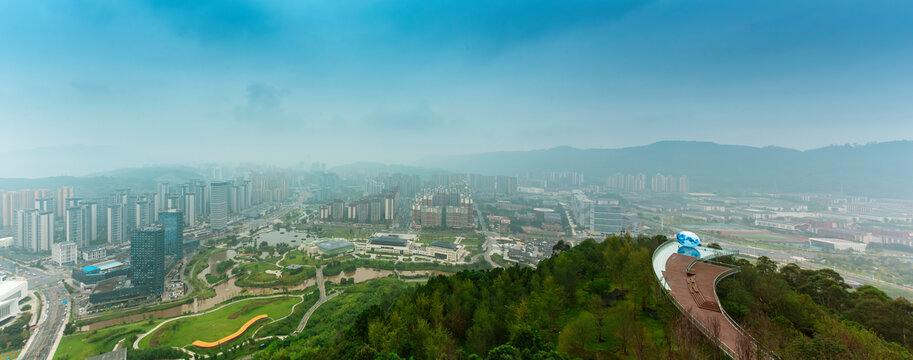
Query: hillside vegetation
[592, 301]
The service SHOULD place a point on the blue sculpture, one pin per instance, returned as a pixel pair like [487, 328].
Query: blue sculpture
[687, 238]
[690, 251]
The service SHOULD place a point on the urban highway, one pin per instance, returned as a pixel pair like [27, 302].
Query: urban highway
[45, 337]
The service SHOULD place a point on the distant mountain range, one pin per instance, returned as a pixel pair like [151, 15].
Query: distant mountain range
[98, 184]
[878, 169]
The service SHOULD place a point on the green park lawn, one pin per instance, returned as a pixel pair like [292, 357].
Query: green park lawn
[90, 343]
[298, 257]
[216, 325]
[256, 274]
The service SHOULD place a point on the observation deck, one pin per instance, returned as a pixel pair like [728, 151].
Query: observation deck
[690, 282]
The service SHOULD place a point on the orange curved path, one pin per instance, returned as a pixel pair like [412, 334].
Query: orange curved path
[210, 345]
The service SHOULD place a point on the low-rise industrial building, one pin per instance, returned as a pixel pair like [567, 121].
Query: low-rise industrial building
[837, 244]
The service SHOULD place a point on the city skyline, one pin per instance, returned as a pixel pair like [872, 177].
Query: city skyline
[231, 81]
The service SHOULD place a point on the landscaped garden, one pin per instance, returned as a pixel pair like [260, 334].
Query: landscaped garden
[220, 323]
[90, 343]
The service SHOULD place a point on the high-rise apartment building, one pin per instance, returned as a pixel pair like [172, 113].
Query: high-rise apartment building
[34, 230]
[13, 201]
[45, 204]
[218, 216]
[63, 193]
[190, 209]
[144, 213]
[75, 220]
[147, 256]
[116, 226]
[90, 221]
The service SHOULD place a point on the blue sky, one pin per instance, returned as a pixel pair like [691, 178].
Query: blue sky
[394, 81]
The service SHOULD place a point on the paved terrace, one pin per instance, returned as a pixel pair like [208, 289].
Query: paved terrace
[691, 284]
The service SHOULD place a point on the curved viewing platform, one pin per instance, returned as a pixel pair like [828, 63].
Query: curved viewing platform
[690, 282]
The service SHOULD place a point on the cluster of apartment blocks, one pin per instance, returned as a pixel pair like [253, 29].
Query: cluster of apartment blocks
[657, 183]
[438, 207]
[33, 215]
[372, 209]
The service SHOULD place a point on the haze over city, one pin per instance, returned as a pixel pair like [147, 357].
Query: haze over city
[456, 180]
[168, 82]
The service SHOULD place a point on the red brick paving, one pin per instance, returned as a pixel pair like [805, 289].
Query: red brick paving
[693, 288]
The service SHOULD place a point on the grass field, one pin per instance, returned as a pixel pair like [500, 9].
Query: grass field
[87, 344]
[218, 324]
[257, 277]
[289, 324]
[762, 236]
[256, 274]
[300, 258]
[334, 316]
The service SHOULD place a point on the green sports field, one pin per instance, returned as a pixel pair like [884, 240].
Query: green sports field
[763, 236]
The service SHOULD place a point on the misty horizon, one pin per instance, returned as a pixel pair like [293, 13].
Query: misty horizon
[392, 82]
[73, 151]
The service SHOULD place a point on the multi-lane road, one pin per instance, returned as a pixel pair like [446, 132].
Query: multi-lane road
[54, 313]
[46, 337]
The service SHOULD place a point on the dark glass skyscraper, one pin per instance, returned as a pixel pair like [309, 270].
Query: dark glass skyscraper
[147, 254]
[173, 221]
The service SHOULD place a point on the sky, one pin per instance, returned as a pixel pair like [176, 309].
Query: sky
[118, 83]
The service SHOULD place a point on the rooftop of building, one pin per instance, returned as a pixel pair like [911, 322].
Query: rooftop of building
[150, 228]
[102, 266]
[390, 240]
[333, 244]
[9, 285]
[443, 244]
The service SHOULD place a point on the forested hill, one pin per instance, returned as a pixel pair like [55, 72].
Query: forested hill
[873, 169]
[594, 301]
